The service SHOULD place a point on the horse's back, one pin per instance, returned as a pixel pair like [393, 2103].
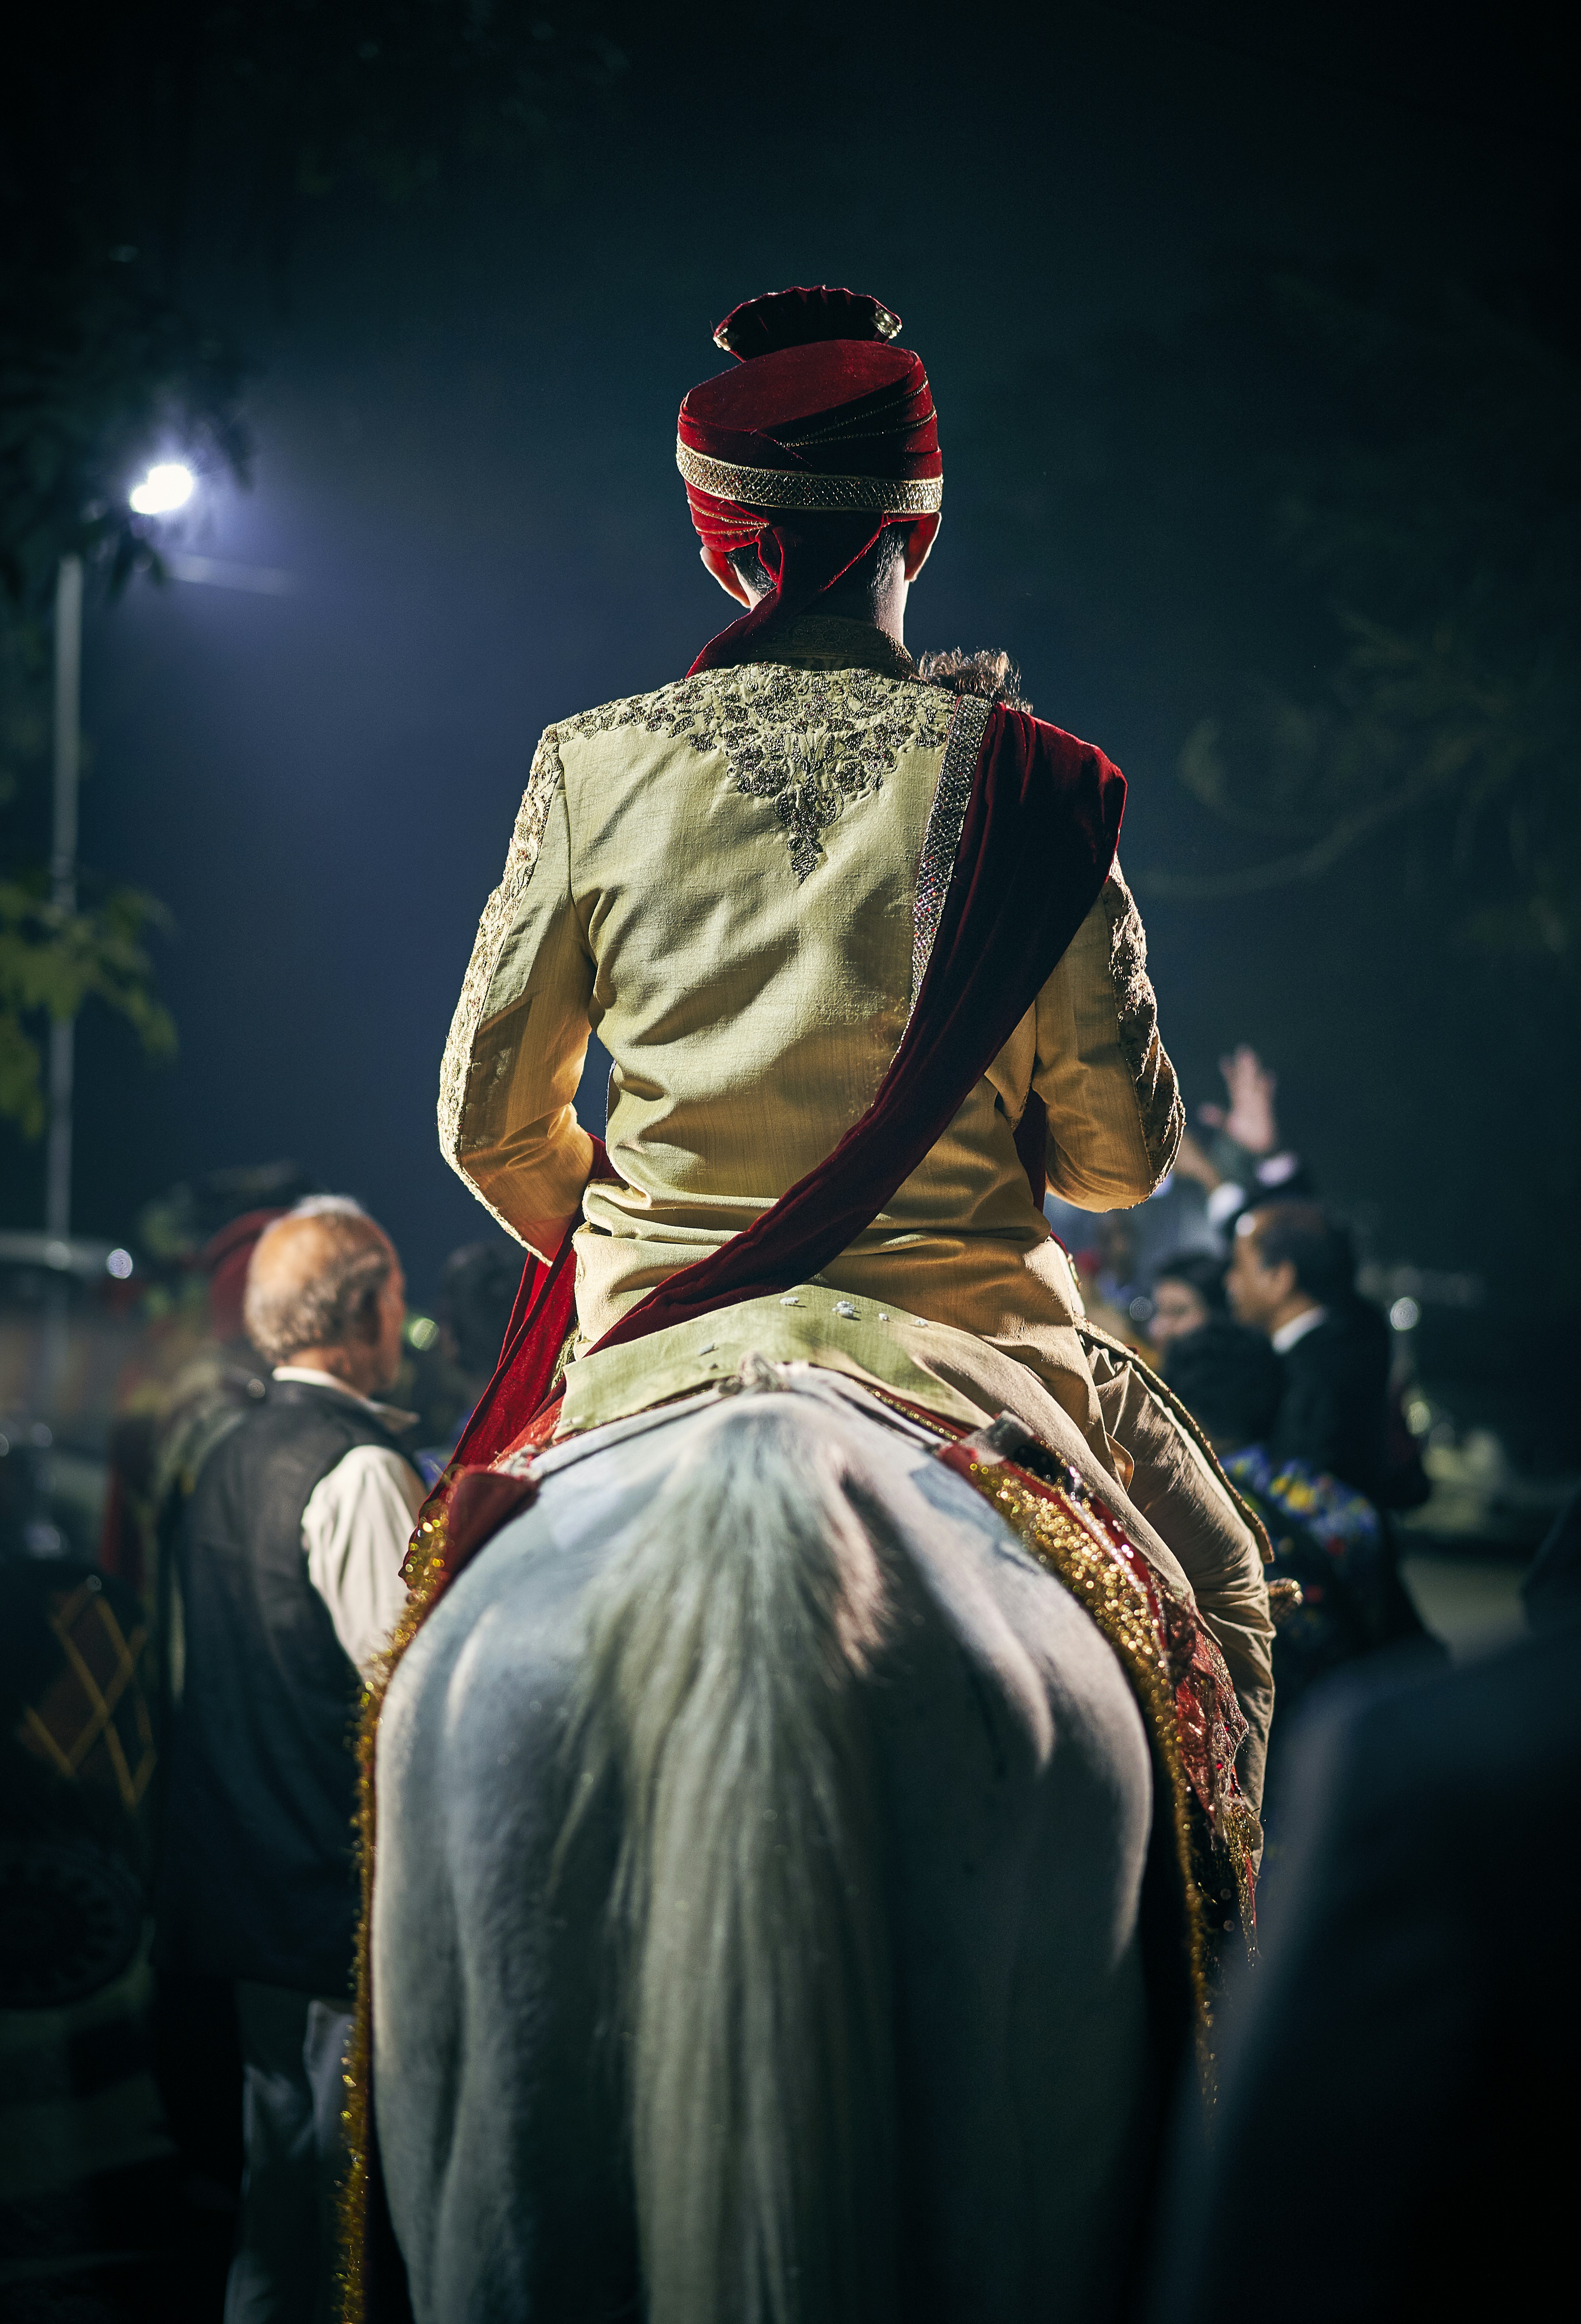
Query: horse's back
[1013, 1798]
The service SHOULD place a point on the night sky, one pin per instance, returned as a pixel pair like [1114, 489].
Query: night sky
[465, 418]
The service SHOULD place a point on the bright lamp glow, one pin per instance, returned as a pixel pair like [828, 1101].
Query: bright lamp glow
[169, 485]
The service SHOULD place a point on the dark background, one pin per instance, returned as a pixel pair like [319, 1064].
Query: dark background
[463, 408]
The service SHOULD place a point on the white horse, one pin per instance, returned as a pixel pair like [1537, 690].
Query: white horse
[757, 1934]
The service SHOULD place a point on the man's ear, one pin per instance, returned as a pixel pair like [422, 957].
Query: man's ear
[1284, 1277]
[726, 575]
[920, 546]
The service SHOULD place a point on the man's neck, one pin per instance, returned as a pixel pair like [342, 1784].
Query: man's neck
[1298, 1316]
[819, 640]
[884, 609]
[340, 1367]
[886, 613]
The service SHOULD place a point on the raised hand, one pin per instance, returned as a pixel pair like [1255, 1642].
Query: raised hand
[1250, 1119]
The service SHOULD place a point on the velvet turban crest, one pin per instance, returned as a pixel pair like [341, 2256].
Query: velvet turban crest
[822, 434]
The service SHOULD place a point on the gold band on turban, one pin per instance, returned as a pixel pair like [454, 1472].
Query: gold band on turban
[799, 488]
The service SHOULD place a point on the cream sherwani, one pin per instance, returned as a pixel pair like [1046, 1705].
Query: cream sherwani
[735, 882]
[722, 879]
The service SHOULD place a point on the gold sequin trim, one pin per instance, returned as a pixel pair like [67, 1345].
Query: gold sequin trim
[798, 488]
[424, 1574]
[936, 866]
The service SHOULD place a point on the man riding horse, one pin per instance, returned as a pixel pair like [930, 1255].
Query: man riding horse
[852, 930]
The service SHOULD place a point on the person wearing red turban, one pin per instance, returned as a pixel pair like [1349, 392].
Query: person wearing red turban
[851, 927]
[823, 437]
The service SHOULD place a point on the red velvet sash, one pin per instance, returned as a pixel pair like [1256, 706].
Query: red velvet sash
[1041, 826]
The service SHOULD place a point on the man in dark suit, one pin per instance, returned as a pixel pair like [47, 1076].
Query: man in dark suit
[1397, 2072]
[1292, 1275]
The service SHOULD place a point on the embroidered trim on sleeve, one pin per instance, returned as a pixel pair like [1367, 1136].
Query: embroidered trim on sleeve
[1158, 1096]
[936, 866]
[499, 913]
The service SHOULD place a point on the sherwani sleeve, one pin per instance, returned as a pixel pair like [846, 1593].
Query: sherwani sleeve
[1114, 1112]
[1182, 1492]
[508, 1116]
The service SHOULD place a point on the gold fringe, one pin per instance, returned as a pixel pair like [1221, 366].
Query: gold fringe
[425, 1568]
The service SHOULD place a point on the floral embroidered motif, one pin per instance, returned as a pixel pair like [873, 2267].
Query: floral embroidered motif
[1158, 1097]
[811, 741]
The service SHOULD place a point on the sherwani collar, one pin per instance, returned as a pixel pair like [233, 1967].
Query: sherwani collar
[830, 641]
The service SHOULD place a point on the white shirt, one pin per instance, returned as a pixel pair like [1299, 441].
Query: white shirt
[1285, 1338]
[355, 1529]
[1222, 1203]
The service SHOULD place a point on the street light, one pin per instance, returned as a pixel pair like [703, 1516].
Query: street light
[168, 486]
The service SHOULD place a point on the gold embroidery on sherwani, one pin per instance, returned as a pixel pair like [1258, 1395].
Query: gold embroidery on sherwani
[950, 800]
[544, 780]
[1158, 1097]
[812, 741]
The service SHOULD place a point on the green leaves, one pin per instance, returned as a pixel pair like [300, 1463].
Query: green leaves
[1406, 722]
[51, 962]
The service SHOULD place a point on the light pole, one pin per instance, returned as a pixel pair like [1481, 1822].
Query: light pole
[62, 1029]
[64, 882]
[166, 487]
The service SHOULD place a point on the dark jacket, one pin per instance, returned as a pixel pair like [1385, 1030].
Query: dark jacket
[1398, 2071]
[1336, 1410]
[258, 1877]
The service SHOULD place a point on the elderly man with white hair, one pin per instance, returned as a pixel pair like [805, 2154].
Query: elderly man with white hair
[290, 1568]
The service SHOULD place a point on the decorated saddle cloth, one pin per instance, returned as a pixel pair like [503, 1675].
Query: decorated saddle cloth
[1031, 1462]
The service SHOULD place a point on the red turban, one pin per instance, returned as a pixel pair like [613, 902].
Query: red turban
[824, 433]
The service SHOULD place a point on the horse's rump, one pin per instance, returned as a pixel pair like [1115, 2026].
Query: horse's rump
[755, 1934]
